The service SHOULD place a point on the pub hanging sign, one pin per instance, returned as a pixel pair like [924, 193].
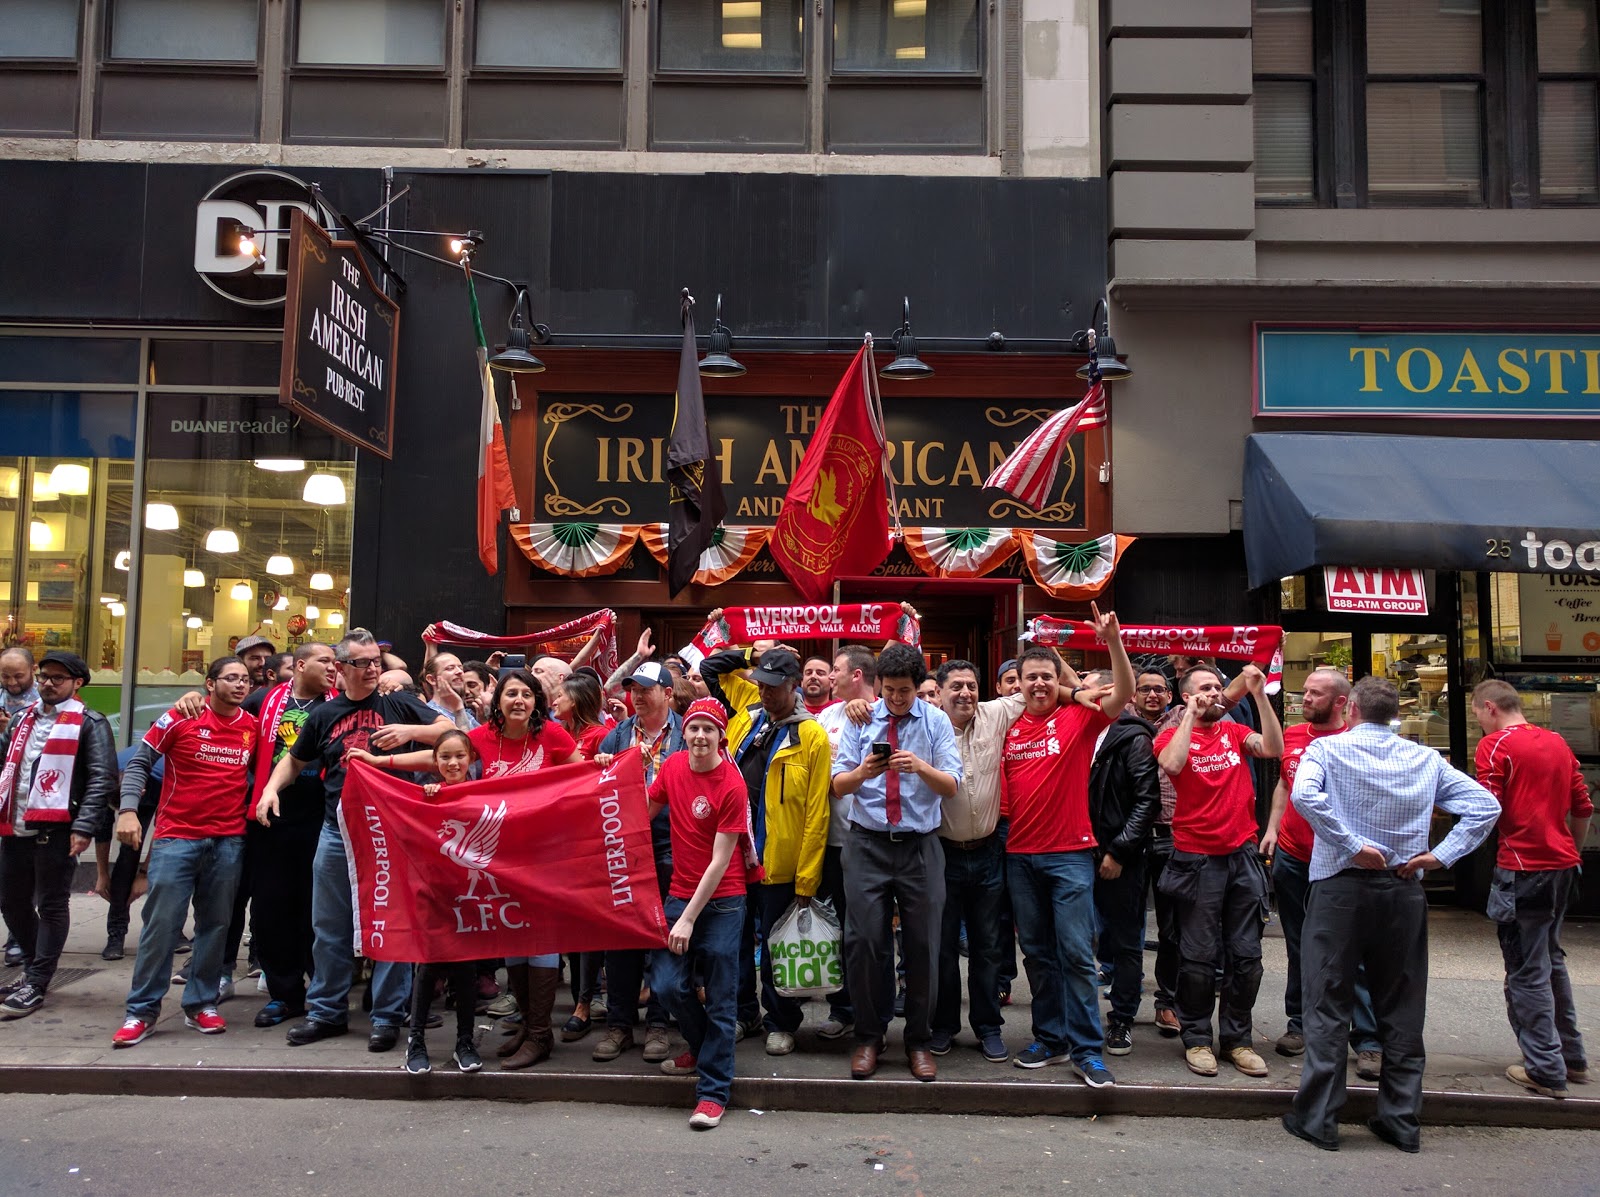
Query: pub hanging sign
[341, 340]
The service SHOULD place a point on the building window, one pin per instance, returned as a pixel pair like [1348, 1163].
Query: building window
[40, 29]
[744, 36]
[553, 35]
[394, 33]
[1427, 103]
[915, 36]
[185, 30]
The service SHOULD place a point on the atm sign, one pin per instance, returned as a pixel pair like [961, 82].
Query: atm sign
[1356, 588]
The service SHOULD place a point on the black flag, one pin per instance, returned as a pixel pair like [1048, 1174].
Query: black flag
[697, 502]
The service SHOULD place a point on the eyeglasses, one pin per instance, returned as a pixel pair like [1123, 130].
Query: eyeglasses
[234, 677]
[54, 679]
[362, 662]
[1153, 690]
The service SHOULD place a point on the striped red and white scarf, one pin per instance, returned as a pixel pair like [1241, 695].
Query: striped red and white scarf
[50, 796]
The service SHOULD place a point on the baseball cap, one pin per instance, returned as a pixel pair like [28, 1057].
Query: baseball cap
[71, 662]
[707, 708]
[1005, 668]
[250, 642]
[651, 673]
[777, 665]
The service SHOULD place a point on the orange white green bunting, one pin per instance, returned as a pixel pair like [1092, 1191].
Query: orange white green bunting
[730, 550]
[1071, 571]
[577, 550]
[959, 552]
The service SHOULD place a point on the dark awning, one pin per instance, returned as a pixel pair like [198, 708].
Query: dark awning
[1421, 502]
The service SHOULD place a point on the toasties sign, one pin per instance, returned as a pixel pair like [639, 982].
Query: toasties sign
[341, 339]
[1304, 371]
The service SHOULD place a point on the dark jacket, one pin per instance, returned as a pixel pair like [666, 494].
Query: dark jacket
[94, 776]
[1125, 788]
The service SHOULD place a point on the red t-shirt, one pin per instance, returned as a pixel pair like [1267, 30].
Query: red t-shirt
[699, 805]
[589, 740]
[1539, 784]
[1294, 834]
[502, 755]
[1045, 765]
[1216, 810]
[207, 787]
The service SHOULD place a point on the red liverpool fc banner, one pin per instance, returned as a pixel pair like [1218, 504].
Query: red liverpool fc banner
[1261, 644]
[553, 861]
[851, 621]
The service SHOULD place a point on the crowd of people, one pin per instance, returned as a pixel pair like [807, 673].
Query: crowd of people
[934, 822]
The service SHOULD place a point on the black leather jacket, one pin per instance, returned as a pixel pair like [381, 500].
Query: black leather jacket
[1125, 788]
[94, 776]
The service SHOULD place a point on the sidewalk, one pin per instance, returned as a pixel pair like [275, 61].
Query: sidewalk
[66, 1047]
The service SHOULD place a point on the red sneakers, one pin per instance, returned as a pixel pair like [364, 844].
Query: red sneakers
[706, 1115]
[206, 1021]
[681, 1066]
[133, 1030]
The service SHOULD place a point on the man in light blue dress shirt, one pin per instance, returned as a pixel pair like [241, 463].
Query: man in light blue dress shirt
[900, 766]
[1369, 797]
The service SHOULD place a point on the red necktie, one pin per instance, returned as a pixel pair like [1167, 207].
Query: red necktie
[891, 783]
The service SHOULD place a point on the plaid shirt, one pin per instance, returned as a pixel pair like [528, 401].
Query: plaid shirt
[1370, 787]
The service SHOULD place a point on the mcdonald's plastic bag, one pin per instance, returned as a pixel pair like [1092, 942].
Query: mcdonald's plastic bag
[806, 951]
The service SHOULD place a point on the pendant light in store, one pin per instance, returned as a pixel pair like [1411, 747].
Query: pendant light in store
[161, 517]
[320, 581]
[70, 478]
[279, 565]
[222, 540]
[280, 465]
[325, 490]
[44, 490]
[241, 591]
[40, 536]
[120, 561]
[282, 604]
[313, 612]
[334, 620]
[191, 576]
[194, 623]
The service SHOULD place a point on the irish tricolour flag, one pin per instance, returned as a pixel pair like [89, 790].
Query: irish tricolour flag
[496, 493]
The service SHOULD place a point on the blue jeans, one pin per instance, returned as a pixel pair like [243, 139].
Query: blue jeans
[333, 952]
[1052, 900]
[1291, 882]
[180, 871]
[713, 953]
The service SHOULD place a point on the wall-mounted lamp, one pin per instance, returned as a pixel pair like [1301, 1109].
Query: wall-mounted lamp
[906, 363]
[719, 360]
[515, 358]
[1096, 341]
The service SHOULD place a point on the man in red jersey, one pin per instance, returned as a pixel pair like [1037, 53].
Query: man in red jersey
[1286, 845]
[1544, 818]
[1215, 875]
[196, 850]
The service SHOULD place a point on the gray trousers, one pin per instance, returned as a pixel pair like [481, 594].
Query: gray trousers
[1528, 909]
[1374, 918]
[879, 873]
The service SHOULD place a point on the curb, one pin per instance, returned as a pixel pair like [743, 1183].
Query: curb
[1440, 1107]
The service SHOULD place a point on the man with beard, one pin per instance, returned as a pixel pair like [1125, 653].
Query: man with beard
[1214, 874]
[19, 693]
[1124, 799]
[816, 684]
[445, 680]
[1287, 844]
[1151, 696]
[255, 652]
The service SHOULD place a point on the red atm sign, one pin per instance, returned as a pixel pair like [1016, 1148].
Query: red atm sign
[1355, 588]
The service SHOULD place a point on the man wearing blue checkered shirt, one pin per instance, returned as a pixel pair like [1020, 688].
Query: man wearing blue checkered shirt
[1369, 797]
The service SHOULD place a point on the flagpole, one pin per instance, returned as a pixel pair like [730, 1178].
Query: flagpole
[875, 409]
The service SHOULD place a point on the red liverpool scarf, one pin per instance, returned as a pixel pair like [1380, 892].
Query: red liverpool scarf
[50, 795]
[1261, 644]
[851, 621]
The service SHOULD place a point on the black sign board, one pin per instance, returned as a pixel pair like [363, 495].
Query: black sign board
[600, 458]
[341, 340]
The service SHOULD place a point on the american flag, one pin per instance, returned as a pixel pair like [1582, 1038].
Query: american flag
[1030, 472]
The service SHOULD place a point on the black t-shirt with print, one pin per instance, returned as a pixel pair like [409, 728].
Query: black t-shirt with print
[341, 725]
[303, 799]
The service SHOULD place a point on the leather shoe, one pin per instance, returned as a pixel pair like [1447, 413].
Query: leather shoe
[383, 1038]
[1292, 1124]
[311, 1030]
[922, 1065]
[1382, 1129]
[864, 1061]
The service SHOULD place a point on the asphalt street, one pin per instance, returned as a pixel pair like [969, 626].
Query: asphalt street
[260, 1148]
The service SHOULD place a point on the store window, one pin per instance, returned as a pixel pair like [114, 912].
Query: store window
[747, 36]
[553, 35]
[371, 33]
[185, 30]
[40, 29]
[906, 36]
[1569, 94]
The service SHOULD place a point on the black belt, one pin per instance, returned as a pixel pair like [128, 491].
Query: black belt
[971, 845]
[894, 837]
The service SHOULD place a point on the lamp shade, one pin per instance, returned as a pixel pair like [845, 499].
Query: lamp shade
[334, 620]
[40, 536]
[320, 581]
[44, 490]
[160, 517]
[70, 478]
[280, 465]
[222, 540]
[279, 565]
[193, 578]
[325, 490]
[242, 592]
[1106, 362]
[120, 561]
[282, 604]
[194, 622]
[313, 611]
